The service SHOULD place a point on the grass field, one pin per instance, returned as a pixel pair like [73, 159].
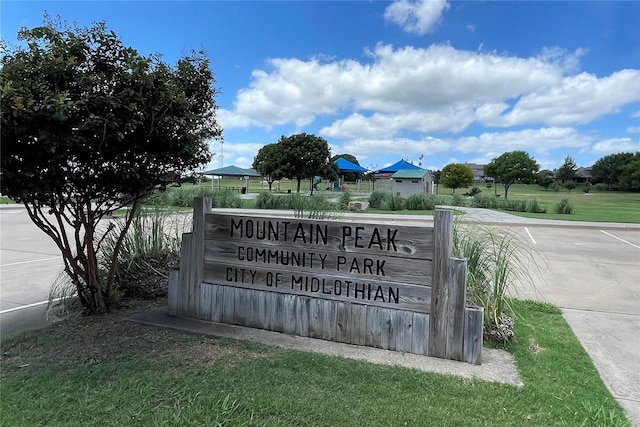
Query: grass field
[107, 371]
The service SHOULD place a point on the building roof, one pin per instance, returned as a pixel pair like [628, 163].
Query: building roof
[410, 174]
[400, 165]
[232, 171]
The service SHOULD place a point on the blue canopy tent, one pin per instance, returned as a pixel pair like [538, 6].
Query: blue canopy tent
[345, 165]
[401, 165]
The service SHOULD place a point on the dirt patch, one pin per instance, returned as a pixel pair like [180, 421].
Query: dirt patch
[78, 339]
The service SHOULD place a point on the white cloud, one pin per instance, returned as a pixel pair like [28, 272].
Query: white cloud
[438, 89]
[632, 129]
[615, 145]
[418, 17]
[578, 99]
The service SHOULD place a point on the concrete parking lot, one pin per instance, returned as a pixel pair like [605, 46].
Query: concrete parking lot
[591, 271]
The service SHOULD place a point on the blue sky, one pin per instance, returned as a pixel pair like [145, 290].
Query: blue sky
[431, 82]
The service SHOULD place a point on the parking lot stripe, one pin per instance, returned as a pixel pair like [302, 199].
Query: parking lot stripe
[622, 240]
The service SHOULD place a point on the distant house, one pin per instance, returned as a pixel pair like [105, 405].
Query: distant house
[583, 175]
[478, 173]
[406, 182]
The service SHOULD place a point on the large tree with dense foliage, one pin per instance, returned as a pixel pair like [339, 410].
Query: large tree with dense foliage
[456, 175]
[89, 126]
[267, 163]
[305, 156]
[608, 169]
[511, 167]
[630, 173]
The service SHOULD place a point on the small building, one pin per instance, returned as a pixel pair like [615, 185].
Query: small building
[407, 182]
[478, 173]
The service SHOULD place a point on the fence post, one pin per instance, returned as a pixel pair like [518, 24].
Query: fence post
[442, 243]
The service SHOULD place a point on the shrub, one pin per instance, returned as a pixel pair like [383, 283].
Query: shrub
[534, 207]
[563, 207]
[392, 203]
[345, 198]
[375, 200]
[458, 200]
[420, 202]
[514, 205]
[486, 202]
[473, 192]
[586, 188]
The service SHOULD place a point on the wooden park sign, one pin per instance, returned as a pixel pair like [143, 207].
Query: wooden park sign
[388, 286]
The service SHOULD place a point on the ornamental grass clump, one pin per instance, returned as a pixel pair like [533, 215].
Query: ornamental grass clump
[563, 207]
[497, 262]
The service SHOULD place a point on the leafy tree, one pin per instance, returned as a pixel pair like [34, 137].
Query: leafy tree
[267, 163]
[304, 156]
[608, 169]
[511, 167]
[567, 172]
[630, 173]
[88, 126]
[456, 175]
[348, 176]
[545, 178]
[570, 186]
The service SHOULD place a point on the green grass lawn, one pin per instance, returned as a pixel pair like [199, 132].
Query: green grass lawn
[138, 384]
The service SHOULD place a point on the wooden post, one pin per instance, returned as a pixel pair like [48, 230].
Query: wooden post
[173, 291]
[473, 335]
[201, 205]
[442, 242]
[456, 308]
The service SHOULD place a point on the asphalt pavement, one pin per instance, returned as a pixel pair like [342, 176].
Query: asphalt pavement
[590, 270]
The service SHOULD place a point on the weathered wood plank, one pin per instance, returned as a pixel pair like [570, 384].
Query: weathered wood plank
[404, 335]
[228, 305]
[277, 314]
[242, 307]
[442, 241]
[186, 273]
[278, 258]
[217, 302]
[420, 340]
[358, 324]
[348, 238]
[374, 327]
[201, 205]
[371, 292]
[315, 318]
[289, 314]
[456, 308]
[302, 316]
[329, 320]
[343, 322]
[388, 332]
[262, 314]
[252, 318]
[206, 299]
[173, 292]
[473, 335]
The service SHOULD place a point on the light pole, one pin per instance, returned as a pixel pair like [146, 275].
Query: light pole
[221, 156]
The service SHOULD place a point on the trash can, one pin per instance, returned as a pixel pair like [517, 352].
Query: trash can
[244, 190]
